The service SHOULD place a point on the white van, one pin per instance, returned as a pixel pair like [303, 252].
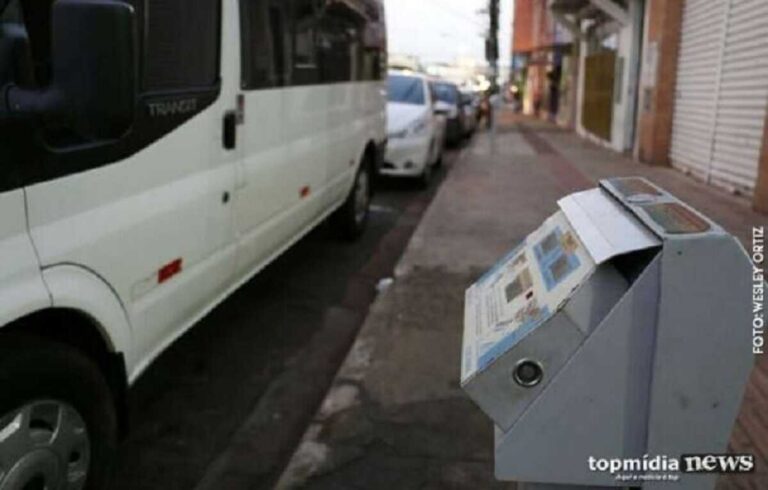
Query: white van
[154, 155]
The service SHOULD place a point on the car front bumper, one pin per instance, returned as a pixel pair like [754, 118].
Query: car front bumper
[406, 156]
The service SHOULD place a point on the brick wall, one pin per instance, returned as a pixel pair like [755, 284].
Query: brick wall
[522, 38]
[663, 20]
[533, 26]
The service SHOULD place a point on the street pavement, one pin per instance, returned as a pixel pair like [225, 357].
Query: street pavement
[225, 406]
[395, 416]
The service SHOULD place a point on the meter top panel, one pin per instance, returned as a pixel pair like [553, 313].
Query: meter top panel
[521, 292]
[661, 212]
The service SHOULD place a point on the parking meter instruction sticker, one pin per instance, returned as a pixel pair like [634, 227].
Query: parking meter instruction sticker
[522, 291]
[520, 285]
[493, 271]
[557, 257]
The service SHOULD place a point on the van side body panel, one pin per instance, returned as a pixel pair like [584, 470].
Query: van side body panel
[76, 288]
[156, 226]
[22, 290]
[355, 119]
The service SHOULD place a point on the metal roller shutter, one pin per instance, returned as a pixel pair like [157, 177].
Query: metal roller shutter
[722, 91]
[742, 97]
[695, 94]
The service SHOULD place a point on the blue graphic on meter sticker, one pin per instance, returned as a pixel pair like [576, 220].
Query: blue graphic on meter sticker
[555, 263]
[498, 265]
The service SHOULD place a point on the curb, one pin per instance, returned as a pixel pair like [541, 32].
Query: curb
[310, 456]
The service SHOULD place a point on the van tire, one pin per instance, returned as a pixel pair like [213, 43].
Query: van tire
[39, 373]
[351, 219]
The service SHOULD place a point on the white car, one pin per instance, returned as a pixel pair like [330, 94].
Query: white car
[154, 156]
[415, 130]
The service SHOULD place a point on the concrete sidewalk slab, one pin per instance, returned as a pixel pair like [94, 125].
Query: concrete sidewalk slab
[395, 416]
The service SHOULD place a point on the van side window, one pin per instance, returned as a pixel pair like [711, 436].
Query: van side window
[33, 19]
[373, 62]
[12, 69]
[182, 44]
[310, 42]
[374, 58]
[263, 44]
[11, 12]
[339, 44]
[305, 43]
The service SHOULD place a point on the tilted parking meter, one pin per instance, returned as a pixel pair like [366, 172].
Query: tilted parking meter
[619, 330]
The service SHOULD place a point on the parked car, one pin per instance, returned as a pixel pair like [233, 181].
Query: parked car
[449, 104]
[149, 168]
[471, 105]
[415, 131]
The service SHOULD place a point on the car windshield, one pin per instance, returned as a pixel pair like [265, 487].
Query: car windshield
[405, 90]
[446, 92]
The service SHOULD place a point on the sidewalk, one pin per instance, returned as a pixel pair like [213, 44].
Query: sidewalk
[395, 416]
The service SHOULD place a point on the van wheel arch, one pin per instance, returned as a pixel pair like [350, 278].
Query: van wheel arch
[78, 330]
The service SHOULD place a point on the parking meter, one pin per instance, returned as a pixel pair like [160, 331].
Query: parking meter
[619, 329]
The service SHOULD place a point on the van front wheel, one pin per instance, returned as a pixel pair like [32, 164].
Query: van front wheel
[58, 427]
[351, 218]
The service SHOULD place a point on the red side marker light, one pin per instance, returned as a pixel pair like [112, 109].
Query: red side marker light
[304, 191]
[169, 270]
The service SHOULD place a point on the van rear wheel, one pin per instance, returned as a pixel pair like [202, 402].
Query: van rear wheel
[351, 219]
[58, 426]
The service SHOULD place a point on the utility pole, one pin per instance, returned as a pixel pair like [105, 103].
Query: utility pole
[492, 43]
[492, 56]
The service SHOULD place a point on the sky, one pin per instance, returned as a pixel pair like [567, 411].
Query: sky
[442, 30]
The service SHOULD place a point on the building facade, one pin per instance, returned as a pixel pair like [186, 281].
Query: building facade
[682, 83]
[542, 56]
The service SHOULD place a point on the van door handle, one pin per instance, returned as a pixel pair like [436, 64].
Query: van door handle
[230, 130]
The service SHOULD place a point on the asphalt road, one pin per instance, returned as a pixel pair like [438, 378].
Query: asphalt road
[226, 405]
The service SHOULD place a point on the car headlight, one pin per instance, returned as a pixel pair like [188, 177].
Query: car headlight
[399, 134]
[416, 128]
